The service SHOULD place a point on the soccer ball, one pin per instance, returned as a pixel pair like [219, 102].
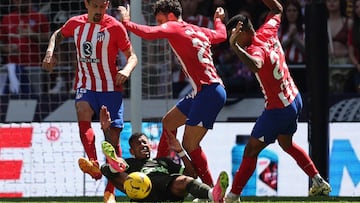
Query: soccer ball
[137, 185]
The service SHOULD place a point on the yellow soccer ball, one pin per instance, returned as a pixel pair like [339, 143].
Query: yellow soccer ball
[137, 185]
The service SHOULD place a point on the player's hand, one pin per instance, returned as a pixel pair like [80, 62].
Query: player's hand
[219, 13]
[124, 12]
[105, 120]
[235, 32]
[122, 76]
[49, 62]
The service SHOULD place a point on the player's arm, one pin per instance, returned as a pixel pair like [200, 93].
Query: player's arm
[220, 28]
[143, 31]
[49, 60]
[274, 6]
[253, 63]
[125, 72]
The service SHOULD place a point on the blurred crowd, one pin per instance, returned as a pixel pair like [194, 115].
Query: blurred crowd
[26, 26]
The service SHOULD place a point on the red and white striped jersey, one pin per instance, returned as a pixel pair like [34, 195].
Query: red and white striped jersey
[191, 44]
[97, 47]
[274, 77]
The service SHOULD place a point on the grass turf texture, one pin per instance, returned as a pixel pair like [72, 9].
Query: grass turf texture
[243, 199]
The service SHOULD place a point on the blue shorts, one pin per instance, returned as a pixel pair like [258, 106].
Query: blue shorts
[203, 109]
[275, 122]
[112, 100]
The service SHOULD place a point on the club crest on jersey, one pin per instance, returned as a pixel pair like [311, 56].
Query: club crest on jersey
[100, 36]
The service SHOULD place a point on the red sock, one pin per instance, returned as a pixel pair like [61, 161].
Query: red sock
[243, 174]
[163, 147]
[199, 160]
[87, 137]
[302, 159]
[118, 150]
[109, 187]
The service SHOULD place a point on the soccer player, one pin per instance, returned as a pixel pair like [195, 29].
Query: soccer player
[170, 181]
[191, 43]
[261, 51]
[98, 38]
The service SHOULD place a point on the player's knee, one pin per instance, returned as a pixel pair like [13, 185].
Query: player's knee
[180, 183]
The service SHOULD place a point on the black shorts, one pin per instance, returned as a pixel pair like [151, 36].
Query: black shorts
[160, 191]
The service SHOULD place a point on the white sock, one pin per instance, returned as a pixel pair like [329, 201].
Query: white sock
[112, 169]
[210, 194]
[317, 179]
[231, 195]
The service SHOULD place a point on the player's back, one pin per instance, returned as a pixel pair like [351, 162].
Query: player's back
[274, 77]
[192, 45]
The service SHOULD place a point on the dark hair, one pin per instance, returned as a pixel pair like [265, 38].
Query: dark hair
[343, 6]
[168, 6]
[299, 20]
[135, 136]
[247, 24]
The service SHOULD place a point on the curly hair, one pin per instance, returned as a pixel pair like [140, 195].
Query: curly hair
[168, 6]
[247, 24]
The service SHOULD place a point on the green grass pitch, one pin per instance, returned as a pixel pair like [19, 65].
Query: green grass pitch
[243, 199]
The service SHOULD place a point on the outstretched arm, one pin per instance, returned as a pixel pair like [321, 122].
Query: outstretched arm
[144, 31]
[274, 6]
[49, 60]
[220, 34]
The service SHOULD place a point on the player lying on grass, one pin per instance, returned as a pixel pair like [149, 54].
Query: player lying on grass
[170, 181]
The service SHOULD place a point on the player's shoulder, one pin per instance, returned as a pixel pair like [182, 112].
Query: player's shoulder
[111, 21]
[172, 24]
[78, 18]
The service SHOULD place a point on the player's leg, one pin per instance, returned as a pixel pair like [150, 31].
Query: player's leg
[264, 132]
[116, 178]
[202, 113]
[319, 186]
[85, 112]
[246, 168]
[191, 143]
[289, 118]
[183, 185]
[173, 119]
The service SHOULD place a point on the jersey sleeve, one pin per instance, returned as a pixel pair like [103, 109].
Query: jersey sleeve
[162, 31]
[122, 36]
[217, 35]
[271, 26]
[67, 30]
[256, 52]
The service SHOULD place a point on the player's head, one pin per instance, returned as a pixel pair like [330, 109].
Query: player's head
[247, 30]
[96, 9]
[167, 10]
[140, 146]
